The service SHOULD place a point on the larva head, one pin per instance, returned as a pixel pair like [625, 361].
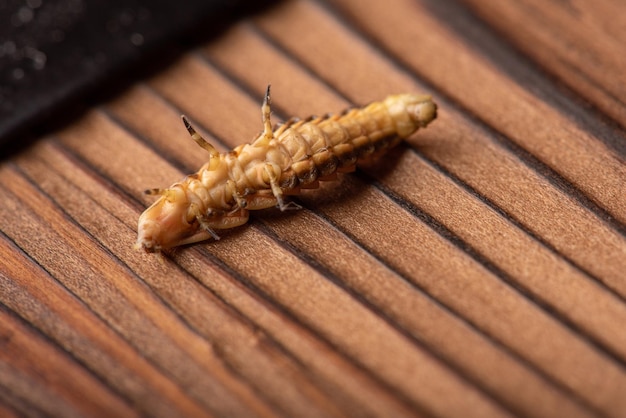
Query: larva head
[166, 223]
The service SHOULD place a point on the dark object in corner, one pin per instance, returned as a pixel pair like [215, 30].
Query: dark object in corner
[54, 54]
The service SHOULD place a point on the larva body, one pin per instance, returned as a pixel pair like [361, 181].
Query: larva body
[297, 155]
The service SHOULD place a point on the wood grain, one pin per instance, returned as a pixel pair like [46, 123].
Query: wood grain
[477, 270]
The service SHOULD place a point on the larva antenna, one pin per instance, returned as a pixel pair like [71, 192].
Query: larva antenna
[198, 138]
[154, 192]
[169, 194]
[266, 111]
[267, 100]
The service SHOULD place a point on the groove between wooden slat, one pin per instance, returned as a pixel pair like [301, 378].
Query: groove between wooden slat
[580, 43]
[12, 407]
[63, 318]
[57, 385]
[566, 148]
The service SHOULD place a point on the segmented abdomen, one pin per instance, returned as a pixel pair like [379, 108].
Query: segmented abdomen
[318, 147]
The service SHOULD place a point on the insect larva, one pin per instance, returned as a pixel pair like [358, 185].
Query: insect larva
[297, 155]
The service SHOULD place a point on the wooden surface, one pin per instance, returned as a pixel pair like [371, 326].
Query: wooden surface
[479, 270]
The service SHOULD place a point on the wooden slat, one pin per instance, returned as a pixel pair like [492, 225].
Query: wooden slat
[580, 43]
[32, 370]
[486, 92]
[63, 318]
[477, 270]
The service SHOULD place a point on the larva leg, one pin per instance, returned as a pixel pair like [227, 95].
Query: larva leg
[198, 138]
[261, 200]
[206, 227]
[241, 202]
[277, 191]
[235, 218]
[197, 213]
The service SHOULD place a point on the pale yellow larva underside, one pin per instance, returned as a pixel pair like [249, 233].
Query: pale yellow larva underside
[297, 155]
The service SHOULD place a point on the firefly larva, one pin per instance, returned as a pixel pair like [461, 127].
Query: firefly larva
[297, 155]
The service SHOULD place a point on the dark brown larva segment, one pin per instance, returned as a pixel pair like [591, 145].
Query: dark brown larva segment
[297, 155]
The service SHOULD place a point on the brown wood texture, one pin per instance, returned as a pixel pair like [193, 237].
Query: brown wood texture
[477, 270]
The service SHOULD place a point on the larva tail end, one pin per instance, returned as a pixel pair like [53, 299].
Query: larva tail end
[423, 112]
[427, 112]
[410, 112]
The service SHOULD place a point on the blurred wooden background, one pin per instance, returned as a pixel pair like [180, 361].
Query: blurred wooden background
[479, 270]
